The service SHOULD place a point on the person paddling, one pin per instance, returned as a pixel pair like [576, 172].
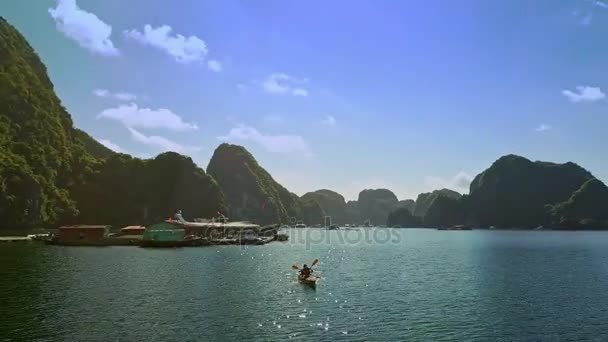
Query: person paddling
[305, 272]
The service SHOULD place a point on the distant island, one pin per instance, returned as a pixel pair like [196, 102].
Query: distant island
[52, 173]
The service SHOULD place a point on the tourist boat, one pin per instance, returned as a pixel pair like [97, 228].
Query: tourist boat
[39, 237]
[300, 225]
[333, 227]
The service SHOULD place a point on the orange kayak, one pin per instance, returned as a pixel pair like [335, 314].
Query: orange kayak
[312, 281]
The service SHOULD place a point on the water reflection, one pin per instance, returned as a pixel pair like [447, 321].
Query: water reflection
[431, 285]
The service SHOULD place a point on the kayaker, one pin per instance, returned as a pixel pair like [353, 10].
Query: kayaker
[305, 271]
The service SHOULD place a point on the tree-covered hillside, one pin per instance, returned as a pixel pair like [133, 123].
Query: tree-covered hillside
[251, 192]
[40, 158]
[52, 173]
[515, 191]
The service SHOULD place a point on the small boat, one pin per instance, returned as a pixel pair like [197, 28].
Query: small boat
[40, 237]
[310, 281]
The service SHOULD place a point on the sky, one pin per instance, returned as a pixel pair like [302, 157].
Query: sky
[409, 95]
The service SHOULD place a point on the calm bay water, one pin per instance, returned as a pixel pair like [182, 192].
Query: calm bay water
[421, 285]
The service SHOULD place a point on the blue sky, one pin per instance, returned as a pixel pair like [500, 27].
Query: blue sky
[345, 95]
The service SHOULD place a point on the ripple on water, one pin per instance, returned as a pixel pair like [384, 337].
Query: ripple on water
[433, 285]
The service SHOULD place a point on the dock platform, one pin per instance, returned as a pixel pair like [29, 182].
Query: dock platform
[14, 239]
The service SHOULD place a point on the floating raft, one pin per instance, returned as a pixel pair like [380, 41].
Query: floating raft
[14, 239]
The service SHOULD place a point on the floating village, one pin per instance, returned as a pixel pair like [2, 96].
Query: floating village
[173, 232]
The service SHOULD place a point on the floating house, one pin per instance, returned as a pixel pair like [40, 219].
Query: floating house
[82, 234]
[166, 234]
[133, 230]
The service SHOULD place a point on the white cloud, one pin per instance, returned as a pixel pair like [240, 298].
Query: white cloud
[182, 49]
[112, 146]
[329, 121]
[214, 65]
[241, 86]
[543, 128]
[161, 144]
[101, 92]
[282, 84]
[122, 96]
[125, 96]
[584, 94]
[460, 182]
[299, 92]
[84, 27]
[132, 116]
[272, 143]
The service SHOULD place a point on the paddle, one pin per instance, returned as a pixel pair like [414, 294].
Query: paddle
[295, 267]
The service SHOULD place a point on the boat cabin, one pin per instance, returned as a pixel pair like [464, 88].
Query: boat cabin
[133, 230]
[164, 231]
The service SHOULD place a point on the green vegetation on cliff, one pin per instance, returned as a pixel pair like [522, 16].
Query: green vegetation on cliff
[352, 212]
[445, 211]
[332, 203]
[409, 204]
[376, 204]
[132, 190]
[424, 200]
[52, 173]
[515, 191]
[251, 192]
[402, 217]
[40, 158]
[586, 208]
[92, 146]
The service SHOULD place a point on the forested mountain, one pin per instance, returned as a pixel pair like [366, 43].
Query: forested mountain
[251, 192]
[586, 208]
[376, 204]
[40, 156]
[332, 203]
[424, 200]
[515, 191]
[52, 173]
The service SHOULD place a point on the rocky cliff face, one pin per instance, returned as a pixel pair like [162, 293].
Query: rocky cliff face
[409, 204]
[424, 200]
[40, 156]
[445, 211]
[332, 203]
[52, 173]
[515, 191]
[251, 192]
[126, 190]
[376, 204]
[586, 208]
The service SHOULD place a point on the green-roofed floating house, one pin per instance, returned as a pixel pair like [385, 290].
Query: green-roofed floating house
[178, 232]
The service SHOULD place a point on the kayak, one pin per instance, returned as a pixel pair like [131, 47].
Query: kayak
[312, 281]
